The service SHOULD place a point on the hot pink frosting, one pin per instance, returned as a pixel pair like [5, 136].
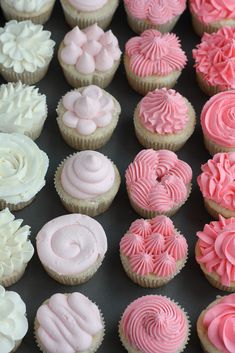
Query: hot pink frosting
[90, 50]
[217, 180]
[156, 11]
[68, 323]
[163, 111]
[87, 174]
[209, 11]
[154, 53]
[215, 58]
[218, 119]
[87, 110]
[154, 323]
[88, 5]
[219, 322]
[158, 180]
[70, 244]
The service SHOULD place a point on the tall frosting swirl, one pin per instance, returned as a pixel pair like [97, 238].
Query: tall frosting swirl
[163, 111]
[87, 174]
[87, 5]
[154, 323]
[209, 11]
[28, 6]
[154, 53]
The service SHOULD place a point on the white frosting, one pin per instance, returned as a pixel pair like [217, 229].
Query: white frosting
[22, 168]
[15, 248]
[87, 5]
[25, 46]
[28, 5]
[13, 322]
[21, 107]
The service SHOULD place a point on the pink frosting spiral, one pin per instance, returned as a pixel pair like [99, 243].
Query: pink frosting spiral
[141, 227]
[154, 53]
[215, 58]
[154, 323]
[163, 111]
[158, 180]
[209, 11]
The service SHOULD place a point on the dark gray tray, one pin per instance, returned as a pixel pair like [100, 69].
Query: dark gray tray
[110, 288]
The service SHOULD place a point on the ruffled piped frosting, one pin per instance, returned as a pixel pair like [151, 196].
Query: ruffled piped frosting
[87, 5]
[28, 6]
[209, 11]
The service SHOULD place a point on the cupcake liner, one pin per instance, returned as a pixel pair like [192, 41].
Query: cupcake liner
[200, 27]
[8, 281]
[17, 345]
[214, 148]
[15, 207]
[207, 89]
[215, 209]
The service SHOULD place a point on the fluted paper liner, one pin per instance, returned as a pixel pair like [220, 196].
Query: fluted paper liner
[17, 345]
[8, 281]
[200, 27]
[214, 148]
[207, 89]
[14, 207]
[215, 209]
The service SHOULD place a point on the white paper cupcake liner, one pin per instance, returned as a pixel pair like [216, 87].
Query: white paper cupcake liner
[207, 89]
[8, 281]
[215, 210]
[14, 207]
[17, 345]
[214, 148]
[200, 28]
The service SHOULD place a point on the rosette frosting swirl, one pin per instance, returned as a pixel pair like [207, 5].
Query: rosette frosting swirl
[209, 11]
[28, 6]
[88, 5]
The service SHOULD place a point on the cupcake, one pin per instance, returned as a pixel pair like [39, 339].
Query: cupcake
[22, 109]
[38, 11]
[87, 182]
[23, 168]
[71, 248]
[153, 60]
[153, 14]
[153, 251]
[158, 183]
[217, 185]
[215, 61]
[14, 324]
[69, 323]
[25, 51]
[215, 253]
[164, 120]
[209, 15]
[88, 57]
[215, 326]
[87, 117]
[84, 13]
[154, 323]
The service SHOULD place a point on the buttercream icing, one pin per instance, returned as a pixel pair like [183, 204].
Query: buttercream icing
[87, 5]
[209, 11]
[28, 6]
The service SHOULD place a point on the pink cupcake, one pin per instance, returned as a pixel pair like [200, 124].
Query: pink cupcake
[153, 251]
[158, 183]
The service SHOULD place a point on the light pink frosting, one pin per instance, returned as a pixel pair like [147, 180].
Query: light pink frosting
[68, 323]
[163, 111]
[87, 110]
[90, 50]
[151, 251]
[87, 174]
[70, 244]
[154, 324]
[217, 180]
[219, 322]
[158, 180]
[209, 11]
[154, 53]
[157, 12]
[88, 5]
[215, 58]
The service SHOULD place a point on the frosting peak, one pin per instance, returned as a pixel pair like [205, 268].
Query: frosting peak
[209, 11]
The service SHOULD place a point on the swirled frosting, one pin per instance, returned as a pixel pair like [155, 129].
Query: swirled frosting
[70, 244]
[151, 252]
[217, 180]
[14, 324]
[157, 12]
[87, 5]
[87, 174]
[208, 11]
[163, 111]
[90, 50]
[28, 6]
[68, 323]
[218, 322]
[23, 167]
[158, 180]
[21, 107]
[215, 58]
[154, 323]
[154, 53]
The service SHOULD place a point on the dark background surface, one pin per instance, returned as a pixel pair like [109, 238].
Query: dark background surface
[110, 288]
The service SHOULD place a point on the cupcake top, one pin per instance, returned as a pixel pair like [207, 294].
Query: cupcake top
[158, 180]
[216, 246]
[218, 119]
[154, 323]
[90, 50]
[164, 111]
[157, 12]
[70, 244]
[21, 107]
[87, 5]
[154, 53]
[23, 167]
[28, 6]
[68, 323]
[214, 58]
[209, 11]
[14, 324]
[153, 247]
[217, 180]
